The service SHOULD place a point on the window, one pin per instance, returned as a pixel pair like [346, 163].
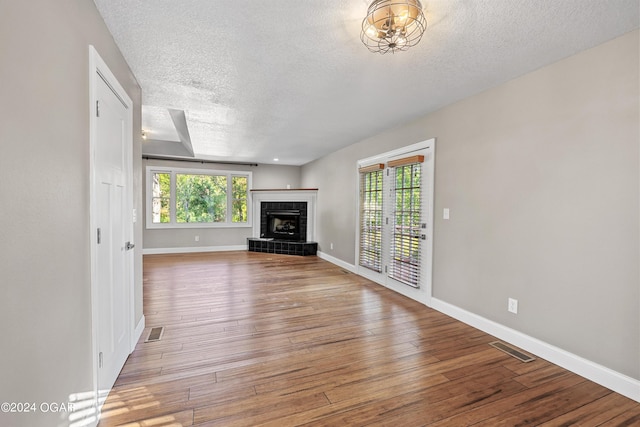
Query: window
[239, 198]
[407, 224]
[371, 217]
[161, 188]
[197, 198]
[201, 198]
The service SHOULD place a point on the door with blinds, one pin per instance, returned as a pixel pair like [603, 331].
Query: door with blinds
[395, 221]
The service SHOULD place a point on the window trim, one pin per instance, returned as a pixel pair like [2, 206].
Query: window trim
[173, 171]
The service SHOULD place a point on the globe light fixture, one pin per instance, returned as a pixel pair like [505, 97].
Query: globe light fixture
[393, 25]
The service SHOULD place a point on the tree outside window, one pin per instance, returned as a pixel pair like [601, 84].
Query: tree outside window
[239, 195]
[201, 198]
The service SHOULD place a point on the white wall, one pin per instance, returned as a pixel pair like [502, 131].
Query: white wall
[542, 178]
[45, 301]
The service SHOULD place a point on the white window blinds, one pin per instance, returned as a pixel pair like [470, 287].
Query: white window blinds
[371, 217]
[406, 199]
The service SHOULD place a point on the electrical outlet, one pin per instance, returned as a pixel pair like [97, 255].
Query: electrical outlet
[331, 246]
[445, 213]
[513, 305]
[197, 238]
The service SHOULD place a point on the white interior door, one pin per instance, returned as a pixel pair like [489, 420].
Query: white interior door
[113, 234]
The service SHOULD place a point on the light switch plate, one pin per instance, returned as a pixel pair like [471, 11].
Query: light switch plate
[445, 213]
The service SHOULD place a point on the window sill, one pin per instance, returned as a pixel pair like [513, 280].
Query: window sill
[190, 226]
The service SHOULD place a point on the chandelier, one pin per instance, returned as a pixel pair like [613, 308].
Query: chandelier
[393, 25]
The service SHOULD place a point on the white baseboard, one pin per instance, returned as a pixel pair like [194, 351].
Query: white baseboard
[349, 267]
[193, 249]
[137, 333]
[602, 375]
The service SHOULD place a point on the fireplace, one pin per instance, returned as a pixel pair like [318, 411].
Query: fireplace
[285, 220]
[283, 225]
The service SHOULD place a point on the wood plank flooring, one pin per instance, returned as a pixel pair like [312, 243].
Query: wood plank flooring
[260, 339]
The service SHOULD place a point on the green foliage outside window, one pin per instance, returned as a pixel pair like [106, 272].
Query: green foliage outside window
[371, 220]
[239, 196]
[161, 189]
[201, 198]
[408, 214]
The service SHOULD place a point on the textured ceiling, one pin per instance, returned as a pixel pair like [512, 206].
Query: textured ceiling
[290, 79]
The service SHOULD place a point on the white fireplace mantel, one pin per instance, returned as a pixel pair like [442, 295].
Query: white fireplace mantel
[309, 195]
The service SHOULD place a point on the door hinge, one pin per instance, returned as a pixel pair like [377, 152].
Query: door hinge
[386, 269]
[387, 221]
[100, 360]
[99, 236]
[97, 108]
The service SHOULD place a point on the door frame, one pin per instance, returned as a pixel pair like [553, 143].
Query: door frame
[99, 69]
[424, 293]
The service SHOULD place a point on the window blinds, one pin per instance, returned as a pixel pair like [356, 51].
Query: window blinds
[406, 197]
[371, 217]
[391, 223]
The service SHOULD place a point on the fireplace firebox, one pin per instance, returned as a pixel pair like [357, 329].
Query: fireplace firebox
[283, 225]
[286, 221]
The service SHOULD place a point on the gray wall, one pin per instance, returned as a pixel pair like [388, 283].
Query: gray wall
[45, 299]
[542, 178]
[264, 176]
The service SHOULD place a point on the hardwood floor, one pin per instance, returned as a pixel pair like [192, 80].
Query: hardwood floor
[259, 339]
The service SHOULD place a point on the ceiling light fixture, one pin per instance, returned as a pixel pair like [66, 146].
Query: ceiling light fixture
[393, 25]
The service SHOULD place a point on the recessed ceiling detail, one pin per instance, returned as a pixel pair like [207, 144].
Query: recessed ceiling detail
[292, 77]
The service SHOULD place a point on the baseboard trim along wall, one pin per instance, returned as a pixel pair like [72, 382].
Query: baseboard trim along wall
[599, 374]
[193, 249]
[137, 333]
[349, 267]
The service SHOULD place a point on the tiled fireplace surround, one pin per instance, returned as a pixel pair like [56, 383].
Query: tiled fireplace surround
[298, 199]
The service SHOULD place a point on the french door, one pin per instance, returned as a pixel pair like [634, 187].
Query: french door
[395, 223]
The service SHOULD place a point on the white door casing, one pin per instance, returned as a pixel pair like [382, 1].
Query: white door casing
[111, 225]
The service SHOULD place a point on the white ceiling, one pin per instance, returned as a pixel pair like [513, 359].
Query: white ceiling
[290, 79]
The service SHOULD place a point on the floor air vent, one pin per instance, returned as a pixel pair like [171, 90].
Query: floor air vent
[512, 351]
[155, 334]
